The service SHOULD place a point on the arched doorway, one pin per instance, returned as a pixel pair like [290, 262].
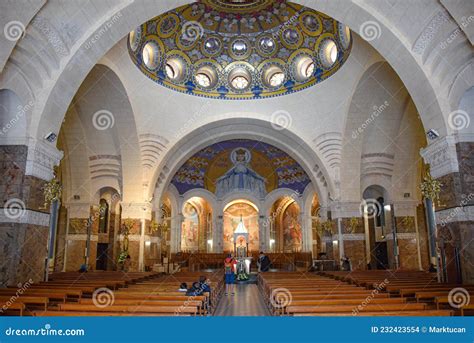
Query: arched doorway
[286, 231]
[234, 212]
[376, 227]
[196, 230]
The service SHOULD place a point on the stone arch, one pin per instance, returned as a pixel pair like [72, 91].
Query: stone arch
[237, 128]
[48, 114]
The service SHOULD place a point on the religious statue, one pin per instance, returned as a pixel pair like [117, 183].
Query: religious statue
[241, 176]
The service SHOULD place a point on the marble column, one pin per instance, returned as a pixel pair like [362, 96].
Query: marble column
[140, 214]
[350, 236]
[24, 222]
[451, 162]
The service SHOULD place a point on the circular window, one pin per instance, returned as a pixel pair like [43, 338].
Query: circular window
[240, 48]
[134, 38]
[151, 55]
[266, 45]
[206, 77]
[273, 76]
[175, 69]
[239, 79]
[344, 35]
[304, 68]
[212, 46]
[328, 53]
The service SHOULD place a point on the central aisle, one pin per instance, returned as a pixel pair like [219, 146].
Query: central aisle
[246, 302]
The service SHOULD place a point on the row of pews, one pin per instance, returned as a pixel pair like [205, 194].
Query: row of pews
[369, 293]
[112, 294]
[413, 285]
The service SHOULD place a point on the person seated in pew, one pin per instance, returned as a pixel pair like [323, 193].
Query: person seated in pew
[204, 284]
[83, 268]
[263, 262]
[183, 287]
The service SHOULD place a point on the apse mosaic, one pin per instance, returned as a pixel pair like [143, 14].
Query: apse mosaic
[242, 165]
[240, 49]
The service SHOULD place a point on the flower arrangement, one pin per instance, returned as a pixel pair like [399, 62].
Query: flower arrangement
[353, 223]
[430, 188]
[52, 191]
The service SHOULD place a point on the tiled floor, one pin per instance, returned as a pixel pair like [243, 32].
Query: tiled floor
[247, 301]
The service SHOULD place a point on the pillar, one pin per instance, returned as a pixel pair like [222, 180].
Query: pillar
[452, 163]
[24, 222]
[140, 214]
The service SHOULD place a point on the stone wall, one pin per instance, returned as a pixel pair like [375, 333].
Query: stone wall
[24, 232]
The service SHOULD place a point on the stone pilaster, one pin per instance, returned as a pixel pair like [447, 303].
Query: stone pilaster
[452, 163]
[24, 222]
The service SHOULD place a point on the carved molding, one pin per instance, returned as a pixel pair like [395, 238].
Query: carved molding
[27, 217]
[453, 215]
[137, 210]
[42, 158]
[429, 33]
[441, 156]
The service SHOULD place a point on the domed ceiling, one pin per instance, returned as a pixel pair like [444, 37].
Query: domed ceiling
[241, 49]
[240, 164]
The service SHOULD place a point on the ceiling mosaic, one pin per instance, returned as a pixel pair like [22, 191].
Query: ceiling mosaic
[240, 49]
[240, 165]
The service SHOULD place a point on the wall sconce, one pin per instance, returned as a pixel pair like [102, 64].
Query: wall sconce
[147, 243]
[334, 242]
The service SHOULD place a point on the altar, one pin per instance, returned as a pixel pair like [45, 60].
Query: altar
[241, 249]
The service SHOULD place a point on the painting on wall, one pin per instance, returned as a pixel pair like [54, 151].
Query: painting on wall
[292, 234]
[190, 229]
[232, 217]
[240, 164]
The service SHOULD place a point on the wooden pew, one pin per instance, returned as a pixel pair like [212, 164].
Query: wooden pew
[170, 310]
[16, 306]
[349, 309]
[27, 300]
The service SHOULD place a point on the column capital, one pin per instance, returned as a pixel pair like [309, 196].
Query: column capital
[404, 208]
[137, 210]
[442, 157]
[78, 210]
[41, 159]
[345, 209]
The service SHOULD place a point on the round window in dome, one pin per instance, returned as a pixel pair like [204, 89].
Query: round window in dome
[134, 38]
[151, 55]
[239, 79]
[175, 69]
[304, 68]
[273, 76]
[328, 53]
[206, 77]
